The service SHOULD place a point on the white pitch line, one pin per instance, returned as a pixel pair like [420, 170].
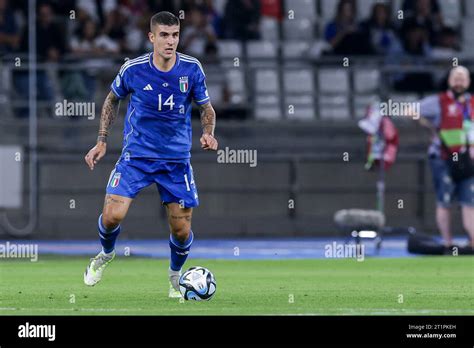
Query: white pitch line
[73, 309]
[349, 311]
[392, 311]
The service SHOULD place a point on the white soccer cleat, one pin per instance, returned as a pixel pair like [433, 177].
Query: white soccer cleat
[94, 270]
[174, 286]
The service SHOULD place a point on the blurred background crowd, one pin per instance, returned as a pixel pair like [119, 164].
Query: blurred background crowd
[96, 33]
[88, 28]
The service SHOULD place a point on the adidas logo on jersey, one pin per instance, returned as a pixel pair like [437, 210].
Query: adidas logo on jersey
[148, 88]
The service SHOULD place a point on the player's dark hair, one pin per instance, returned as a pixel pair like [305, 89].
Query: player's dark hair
[163, 18]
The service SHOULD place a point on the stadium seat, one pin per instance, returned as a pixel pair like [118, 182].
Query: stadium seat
[267, 99]
[267, 107]
[295, 49]
[366, 80]
[328, 10]
[299, 107]
[469, 8]
[262, 54]
[266, 81]
[269, 29]
[229, 49]
[302, 113]
[334, 107]
[298, 29]
[267, 94]
[261, 49]
[302, 9]
[298, 81]
[451, 12]
[332, 80]
[467, 37]
[298, 86]
[269, 113]
[215, 91]
[235, 82]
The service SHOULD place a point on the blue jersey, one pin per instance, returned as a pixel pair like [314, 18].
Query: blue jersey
[158, 118]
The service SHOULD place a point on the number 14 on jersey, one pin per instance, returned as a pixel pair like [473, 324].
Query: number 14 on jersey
[168, 102]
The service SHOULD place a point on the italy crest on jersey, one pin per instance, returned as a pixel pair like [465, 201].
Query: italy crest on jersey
[115, 180]
[183, 84]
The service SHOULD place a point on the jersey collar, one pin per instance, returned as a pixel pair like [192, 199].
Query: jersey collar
[175, 66]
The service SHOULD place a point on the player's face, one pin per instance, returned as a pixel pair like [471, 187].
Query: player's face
[165, 40]
[459, 82]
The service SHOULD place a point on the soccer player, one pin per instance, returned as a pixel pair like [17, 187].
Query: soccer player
[156, 144]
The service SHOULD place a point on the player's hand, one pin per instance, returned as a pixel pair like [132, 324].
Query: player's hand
[95, 154]
[471, 152]
[208, 142]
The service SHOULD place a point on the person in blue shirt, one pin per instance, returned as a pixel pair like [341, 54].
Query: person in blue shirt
[156, 143]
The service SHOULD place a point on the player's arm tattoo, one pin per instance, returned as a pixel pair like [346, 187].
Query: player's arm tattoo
[108, 115]
[208, 118]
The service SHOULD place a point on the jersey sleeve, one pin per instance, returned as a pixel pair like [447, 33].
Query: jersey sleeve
[200, 94]
[430, 109]
[120, 85]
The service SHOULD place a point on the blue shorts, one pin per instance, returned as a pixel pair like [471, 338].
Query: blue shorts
[447, 191]
[174, 179]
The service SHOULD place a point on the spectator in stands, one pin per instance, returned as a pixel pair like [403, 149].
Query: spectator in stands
[343, 33]
[76, 26]
[51, 43]
[416, 42]
[9, 31]
[61, 8]
[214, 17]
[138, 8]
[90, 43]
[447, 45]
[378, 28]
[97, 10]
[198, 35]
[50, 47]
[425, 17]
[115, 28]
[409, 8]
[242, 19]
[415, 46]
[272, 8]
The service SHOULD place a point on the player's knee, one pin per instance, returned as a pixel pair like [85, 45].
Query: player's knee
[181, 232]
[111, 218]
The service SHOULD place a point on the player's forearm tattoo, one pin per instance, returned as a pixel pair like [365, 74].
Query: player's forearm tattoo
[108, 115]
[208, 118]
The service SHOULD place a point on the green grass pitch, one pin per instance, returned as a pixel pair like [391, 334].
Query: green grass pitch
[139, 286]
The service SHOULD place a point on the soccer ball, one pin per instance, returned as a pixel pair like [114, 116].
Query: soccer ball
[197, 283]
